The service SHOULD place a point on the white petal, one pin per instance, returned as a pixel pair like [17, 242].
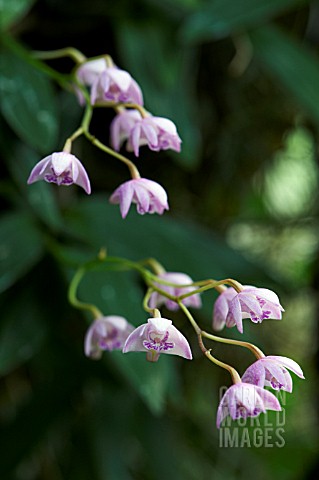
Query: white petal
[288, 363]
[61, 162]
[40, 169]
[134, 341]
[120, 77]
[165, 124]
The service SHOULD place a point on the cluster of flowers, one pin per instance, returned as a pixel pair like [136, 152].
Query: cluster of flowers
[247, 396]
[133, 125]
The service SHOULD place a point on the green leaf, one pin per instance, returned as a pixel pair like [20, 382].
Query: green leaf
[293, 65]
[179, 245]
[152, 381]
[27, 103]
[21, 331]
[221, 18]
[12, 10]
[20, 247]
[46, 407]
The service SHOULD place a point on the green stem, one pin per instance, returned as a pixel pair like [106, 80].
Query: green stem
[146, 300]
[157, 268]
[103, 262]
[200, 333]
[24, 54]
[135, 106]
[71, 52]
[208, 284]
[190, 318]
[87, 117]
[132, 168]
[233, 372]
[256, 351]
[72, 295]
[85, 126]
[68, 144]
[119, 107]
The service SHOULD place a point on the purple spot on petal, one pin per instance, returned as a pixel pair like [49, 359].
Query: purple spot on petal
[157, 343]
[63, 179]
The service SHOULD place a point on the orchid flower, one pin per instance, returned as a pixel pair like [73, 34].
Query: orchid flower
[156, 337]
[61, 168]
[149, 196]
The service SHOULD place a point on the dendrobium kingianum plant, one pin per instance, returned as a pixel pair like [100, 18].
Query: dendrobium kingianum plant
[98, 82]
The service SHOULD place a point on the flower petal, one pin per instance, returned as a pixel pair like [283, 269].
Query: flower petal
[142, 198]
[234, 316]
[255, 374]
[269, 400]
[288, 363]
[134, 341]
[120, 77]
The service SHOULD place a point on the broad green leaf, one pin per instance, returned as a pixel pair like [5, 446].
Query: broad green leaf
[21, 331]
[27, 102]
[111, 444]
[294, 66]
[49, 401]
[221, 18]
[179, 245]
[20, 247]
[12, 10]
[153, 381]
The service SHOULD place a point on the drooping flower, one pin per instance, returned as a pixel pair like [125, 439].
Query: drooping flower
[245, 400]
[122, 126]
[157, 132]
[61, 168]
[156, 337]
[109, 83]
[221, 308]
[156, 299]
[106, 333]
[255, 303]
[149, 196]
[271, 371]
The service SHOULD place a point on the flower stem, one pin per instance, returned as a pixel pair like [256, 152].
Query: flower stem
[200, 333]
[135, 106]
[72, 295]
[190, 317]
[233, 372]
[208, 284]
[15, 47]
[256, 351]
[71, 52]
[146, 300]
[85, 126]
[157, 268]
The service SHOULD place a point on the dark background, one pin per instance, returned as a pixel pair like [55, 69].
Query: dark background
[240, 80]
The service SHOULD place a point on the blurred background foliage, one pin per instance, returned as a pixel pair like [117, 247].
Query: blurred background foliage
[240, 79]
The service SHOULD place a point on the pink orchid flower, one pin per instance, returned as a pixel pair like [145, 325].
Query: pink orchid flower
[61, 168]
[156, 337]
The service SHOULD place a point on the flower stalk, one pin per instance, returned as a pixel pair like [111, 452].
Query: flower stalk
[72, 295]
